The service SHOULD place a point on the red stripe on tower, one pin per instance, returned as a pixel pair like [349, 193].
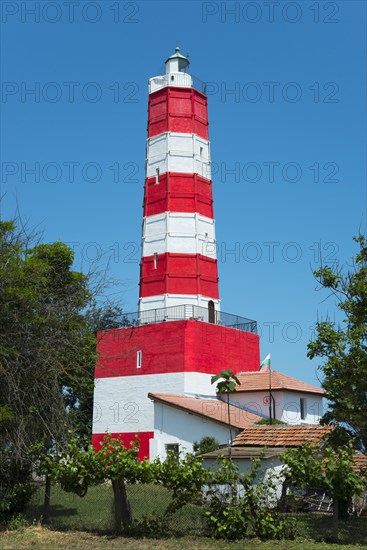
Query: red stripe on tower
[179, 264]
[182, 110]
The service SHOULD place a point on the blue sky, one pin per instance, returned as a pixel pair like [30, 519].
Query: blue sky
[287, 87]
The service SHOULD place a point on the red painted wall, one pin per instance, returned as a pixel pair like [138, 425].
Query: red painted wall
[126, 438]
[178, 193]
[179, 274]
[177, 110]
[176, 346]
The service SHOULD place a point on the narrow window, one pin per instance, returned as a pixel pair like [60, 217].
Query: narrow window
[303, 408]
[155, 260]
[139, 357]
[201, 151]
[172, 77]
[211, 312]
[157, 175]
[173, 448]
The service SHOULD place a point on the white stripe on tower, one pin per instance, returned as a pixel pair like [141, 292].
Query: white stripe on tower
[179, 265]
[181, 153]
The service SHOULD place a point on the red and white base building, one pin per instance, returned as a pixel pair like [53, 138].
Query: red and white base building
[179, 337]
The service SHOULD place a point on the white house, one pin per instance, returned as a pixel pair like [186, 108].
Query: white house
[293, 401]
[182, 419]
[267, 442]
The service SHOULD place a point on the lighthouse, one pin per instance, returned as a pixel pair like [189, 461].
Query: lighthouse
[179, 267]
[179, 337]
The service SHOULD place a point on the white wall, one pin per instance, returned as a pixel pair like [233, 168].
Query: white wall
[179, 79]
[292, 413]
[271, 470]
[178, 232]
[169, 300]
[198, 383]
[178, 152]
[287, 405]
[175, 426]
[121, 403]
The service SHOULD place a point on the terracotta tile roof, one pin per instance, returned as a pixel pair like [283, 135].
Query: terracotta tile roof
[256, 381]
[360, 462]
[214, 409]
[244, 452]
[281, 436]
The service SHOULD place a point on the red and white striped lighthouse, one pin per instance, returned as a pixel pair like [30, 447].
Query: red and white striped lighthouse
[179, 265]
[179, 337]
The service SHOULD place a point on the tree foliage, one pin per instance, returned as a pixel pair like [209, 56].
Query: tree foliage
[47, 350]
[205, 445]
[326, 469]
[46, 342]
[228, 383]
[241, 505]
[76, 467]
[236, 504]
[344, 347]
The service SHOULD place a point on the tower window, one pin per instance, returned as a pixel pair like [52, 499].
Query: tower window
[155, 260]
[303, 408]
[201, 151]
[211, 311]
[139, 359]
[172, 77]
[157, 175]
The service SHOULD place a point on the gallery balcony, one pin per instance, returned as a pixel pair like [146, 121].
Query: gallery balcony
[188, 312]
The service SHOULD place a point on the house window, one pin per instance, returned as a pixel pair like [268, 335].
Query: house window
[303, 408]
[173, 447]
[155, 260]
[139, 358]
[157, 175]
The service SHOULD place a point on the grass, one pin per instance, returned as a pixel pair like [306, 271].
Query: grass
[319, 528]
[44, 539]
[93, 513]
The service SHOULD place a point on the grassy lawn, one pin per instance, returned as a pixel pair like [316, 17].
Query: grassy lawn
[319, 528]
[40, 538]
[93, 513]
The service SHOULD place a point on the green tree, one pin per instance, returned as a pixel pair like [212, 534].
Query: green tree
[228, 384]
[46, 346]
[77, 466]
[344, 347]
[326, 469]
[241, 504]
[205, 445]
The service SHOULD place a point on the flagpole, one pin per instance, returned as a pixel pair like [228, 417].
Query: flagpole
[270, 397]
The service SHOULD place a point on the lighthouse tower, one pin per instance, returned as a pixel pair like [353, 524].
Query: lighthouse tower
[179, 265]
[179, 337]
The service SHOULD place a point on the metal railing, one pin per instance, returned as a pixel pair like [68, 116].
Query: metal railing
[182, 79]
[188, 312]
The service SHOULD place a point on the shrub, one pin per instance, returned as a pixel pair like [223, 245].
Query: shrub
[205, 445]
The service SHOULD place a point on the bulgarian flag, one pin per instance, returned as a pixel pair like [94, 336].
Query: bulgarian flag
[265, 365]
